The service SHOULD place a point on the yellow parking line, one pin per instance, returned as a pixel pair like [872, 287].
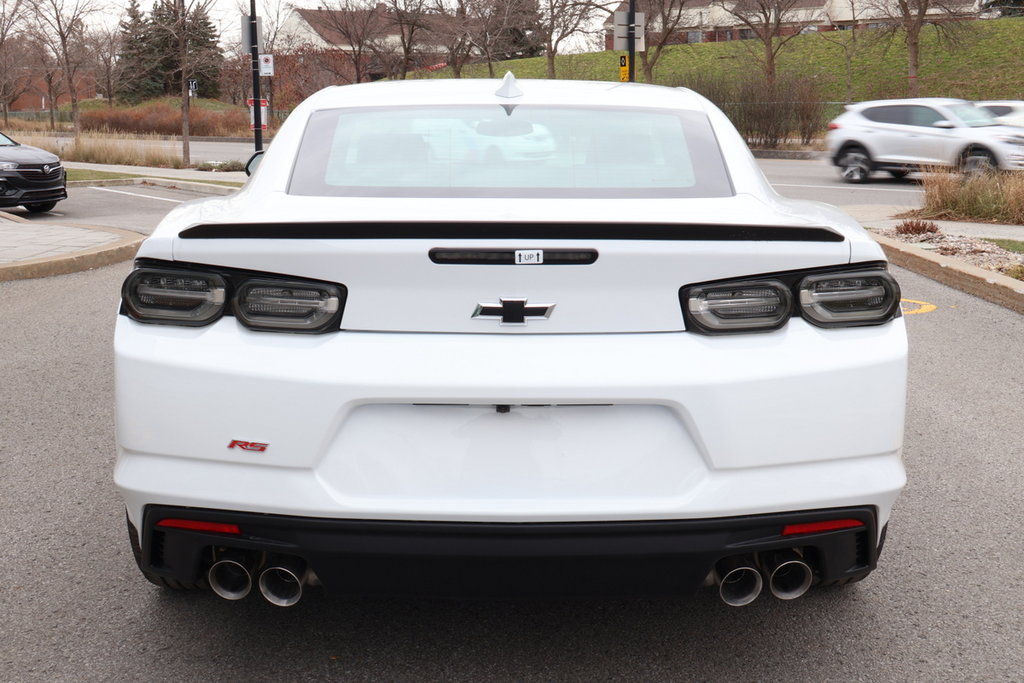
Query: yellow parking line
[918, 306]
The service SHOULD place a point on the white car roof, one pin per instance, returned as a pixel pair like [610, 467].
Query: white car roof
[481, 91]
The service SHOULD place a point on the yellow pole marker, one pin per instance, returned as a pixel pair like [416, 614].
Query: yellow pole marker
[921, 306]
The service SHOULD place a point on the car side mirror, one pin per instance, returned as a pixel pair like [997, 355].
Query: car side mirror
[253, 163]
[944, 124]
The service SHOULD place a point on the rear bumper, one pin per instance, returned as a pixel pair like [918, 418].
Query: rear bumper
[460, 559]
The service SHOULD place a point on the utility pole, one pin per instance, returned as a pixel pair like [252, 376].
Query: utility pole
[631, 39]
[254, 50]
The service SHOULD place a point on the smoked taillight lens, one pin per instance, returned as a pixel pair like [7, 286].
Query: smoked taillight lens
[287, 305]
[739, 307]
[848, 299]
[177, 297]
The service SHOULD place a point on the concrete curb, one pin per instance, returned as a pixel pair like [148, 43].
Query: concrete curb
[169, 183]
[801, 155]
[985, 284]
[96, 257]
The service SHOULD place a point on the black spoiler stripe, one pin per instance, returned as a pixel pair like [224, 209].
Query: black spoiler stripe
[525, 231]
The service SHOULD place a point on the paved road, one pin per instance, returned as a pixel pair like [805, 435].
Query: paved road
[945, 604]
[131, 207]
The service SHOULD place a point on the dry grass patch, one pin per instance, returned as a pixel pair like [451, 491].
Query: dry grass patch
[110, 149]
[996, 197]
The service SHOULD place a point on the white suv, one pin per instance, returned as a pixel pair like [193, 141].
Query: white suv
[900, 136]
[624, 365]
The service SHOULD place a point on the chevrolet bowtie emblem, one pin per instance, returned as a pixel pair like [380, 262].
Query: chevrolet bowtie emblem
[513, 311]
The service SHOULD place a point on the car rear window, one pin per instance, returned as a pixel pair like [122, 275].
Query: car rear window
[509, 151]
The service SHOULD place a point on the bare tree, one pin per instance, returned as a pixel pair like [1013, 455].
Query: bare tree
[773, 23]
[351, 29]
[104, 45]
[60, 26]
[909, 18]
[663, 19]
[450, 23]
[51, 74]
[15, 79]
[409, 19]
[559, 21]
[489, 23]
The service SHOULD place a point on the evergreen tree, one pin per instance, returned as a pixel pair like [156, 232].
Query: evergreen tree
[137, 57]
[204, 58]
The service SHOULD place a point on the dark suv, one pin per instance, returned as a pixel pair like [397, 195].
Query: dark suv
[30, 176]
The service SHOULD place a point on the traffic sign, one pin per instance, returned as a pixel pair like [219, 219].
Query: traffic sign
[266, 65]
[252, 113]
[624, 69]
[621, 35]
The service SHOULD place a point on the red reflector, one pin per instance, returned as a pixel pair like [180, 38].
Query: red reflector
[815, 527]
[833, 126]
[196, 525]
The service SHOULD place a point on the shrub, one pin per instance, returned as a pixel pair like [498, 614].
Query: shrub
[995, 196]
[163, 118]
[1016, 272]
[916, 227]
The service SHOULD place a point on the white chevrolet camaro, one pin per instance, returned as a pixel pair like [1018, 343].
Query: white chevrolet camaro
[626, 365]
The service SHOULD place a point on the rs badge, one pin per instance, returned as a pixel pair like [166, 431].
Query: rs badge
[249, 446]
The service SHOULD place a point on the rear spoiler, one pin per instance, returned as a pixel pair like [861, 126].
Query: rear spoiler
[670, 232]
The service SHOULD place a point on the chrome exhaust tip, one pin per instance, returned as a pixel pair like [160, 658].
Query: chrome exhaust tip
[282, 581]
[230, 577]
[789, 576]
[739, 582]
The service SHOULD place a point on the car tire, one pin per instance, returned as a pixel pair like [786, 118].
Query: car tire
[156, 579]
[854, 165]
[899, 174]
[41, 207]
[978, 160]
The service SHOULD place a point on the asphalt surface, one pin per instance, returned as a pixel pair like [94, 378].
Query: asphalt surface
[945, 604]
[132, 207]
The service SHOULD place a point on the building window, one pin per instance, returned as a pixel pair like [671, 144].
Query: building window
[694, 37]
[747, 34]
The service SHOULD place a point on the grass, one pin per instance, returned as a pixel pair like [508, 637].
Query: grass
[993, 197]
[108, 149]
[86, 174]
[1008, 245]
[986, 65]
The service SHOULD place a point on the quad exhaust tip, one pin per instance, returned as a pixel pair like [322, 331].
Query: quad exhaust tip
[282, 581]
[739, 581]
[789, 576]
[230, 577]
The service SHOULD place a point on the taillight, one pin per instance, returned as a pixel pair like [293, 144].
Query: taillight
[847, 299]
[179, 297]
[833, 126]
[193, 296]
[739, 307]
[287, 305]
[842, 297]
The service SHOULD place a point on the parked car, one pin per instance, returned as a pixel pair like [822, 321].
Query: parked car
[629, 366]
[30, 177]
[900, 136]
[1006, 112]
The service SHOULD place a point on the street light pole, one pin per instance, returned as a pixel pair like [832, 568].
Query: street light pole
[254, 50]
[631, 38]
